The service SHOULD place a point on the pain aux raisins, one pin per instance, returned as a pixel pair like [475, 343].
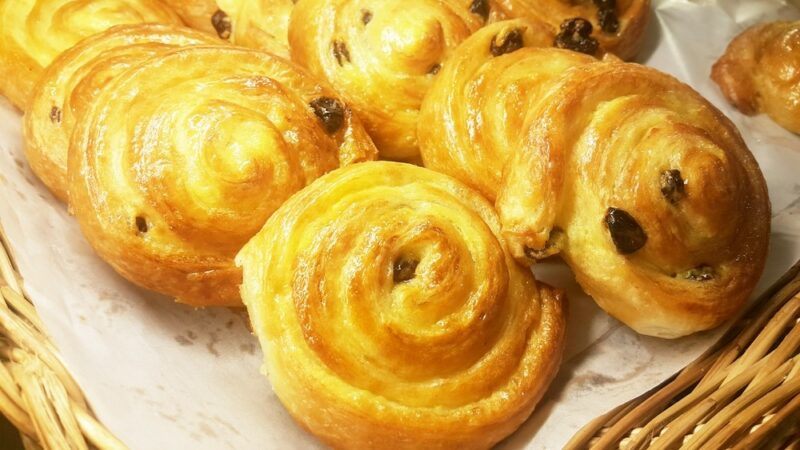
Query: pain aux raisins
[480, 7]
[340, 52]
[506, 42]
[626, 233]
[607, 15]
[672, 185]
[404, 270]
[575, 35]
[330, 113]
[222, 24]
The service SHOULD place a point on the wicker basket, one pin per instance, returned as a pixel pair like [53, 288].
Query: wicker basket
[744, 392]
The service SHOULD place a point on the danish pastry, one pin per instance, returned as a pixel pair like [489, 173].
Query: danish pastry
[593, 27]
[471, 118]
[180, 160]
[72, 81]
[259, 24]
[391, 315]
[648, 192]
[760, 72]
[34, 32]
[383, 56]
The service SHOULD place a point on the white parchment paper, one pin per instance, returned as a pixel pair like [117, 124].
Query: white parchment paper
[162, 375]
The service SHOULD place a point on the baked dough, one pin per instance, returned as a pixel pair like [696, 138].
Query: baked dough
[73, 80]
[260, 24]
[180, 160]
[647, 191]
[382, 56]
[34, 32]
[760, 72]
[602, 26]
[471, 118]
[391, 315]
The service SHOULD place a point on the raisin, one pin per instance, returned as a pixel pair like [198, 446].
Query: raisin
[506, 43]
[435, 69]
[551, 247]
[55, 114]
[366, 16]
[672, 185]
[404, 270]
[222, 23]
[608, 20]
[626, 233]
[575, 35]
[480, 7]
[703, 272]
[340, 52]
[141, 224]
[330, 112]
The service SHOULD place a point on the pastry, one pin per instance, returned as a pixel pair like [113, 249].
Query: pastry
[382, 56]
[34, 32]
[260, 24]
[646, 190]
[595, 27]
[760, 72]
[392, 316]
[73, 80]
[180, 160]
[471, 118]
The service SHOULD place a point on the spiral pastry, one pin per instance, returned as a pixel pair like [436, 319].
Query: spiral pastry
[471, 118]
[760, 72]
[594, 27]
[648, 192]
[392, 316]
[259, 24]
[34, 32]
[383, 56]
[181, 159]
[73, 80]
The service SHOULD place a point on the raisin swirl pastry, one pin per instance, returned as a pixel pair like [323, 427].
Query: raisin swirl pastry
[391, 315]
[471, 118]
[180, 160]
[34, 32]
[594, 27]
[760, 72]
[73, 80]
[383, 55]
[260, 24]
[647, 191]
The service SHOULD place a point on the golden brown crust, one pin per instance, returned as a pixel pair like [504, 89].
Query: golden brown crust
[73, 80]
[760, 72]
[195, 13]
[34, 32]
[453, 354]
[471, 118]
[382, 57]
[648, 191]
[181, 159]
[625, 42]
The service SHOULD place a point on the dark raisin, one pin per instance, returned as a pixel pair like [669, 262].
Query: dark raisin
[366, 16]
[141, 224]
[627, 234]
[330, 113]
[55, 114]
[551, 247]
[672, 185]
[506, 43]
[480, 7]
[222, 23]
[703, 272]
[608, 20]
[404, 269]
[605, 4]
[575, 35]
[435, 69]
[340, 52]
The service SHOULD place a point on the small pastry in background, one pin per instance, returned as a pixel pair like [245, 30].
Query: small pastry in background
[73, 81]
[34, 32]
[471, 118]
[760, 72]
[383, 56]
[391, 315]
[180, 160]
[594, 27]
[259, 24]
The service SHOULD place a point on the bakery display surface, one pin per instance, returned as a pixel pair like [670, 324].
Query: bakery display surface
[389, 305]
